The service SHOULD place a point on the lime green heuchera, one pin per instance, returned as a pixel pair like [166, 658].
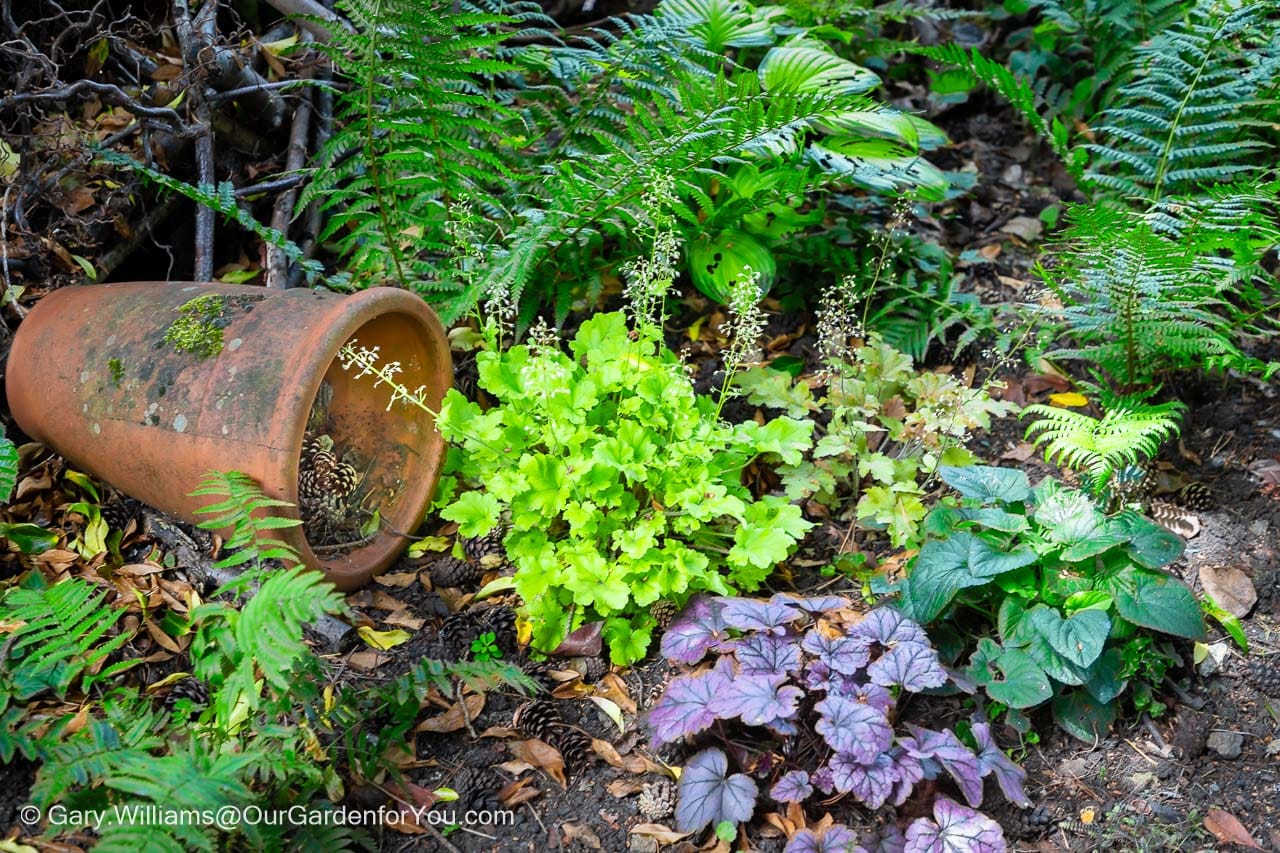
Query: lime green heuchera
[622, 485]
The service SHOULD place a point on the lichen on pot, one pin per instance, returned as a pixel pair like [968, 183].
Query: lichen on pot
[198, 329]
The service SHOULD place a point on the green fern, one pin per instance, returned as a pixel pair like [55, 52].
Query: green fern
[8, 467]
[1196, 107]
[1100, 446]
[246, 512]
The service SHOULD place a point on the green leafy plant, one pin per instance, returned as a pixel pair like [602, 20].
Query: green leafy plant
[883, 427]
[30, 538]
[485, 647]
[1101, 446]
[246, 510]
[1076, 600]
[620, 485]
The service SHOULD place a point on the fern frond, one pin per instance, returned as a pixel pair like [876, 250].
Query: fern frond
[246, 510]
[1102, 445]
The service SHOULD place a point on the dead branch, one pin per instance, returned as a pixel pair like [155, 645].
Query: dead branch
[113, 94]
[282, 215]
[227, 70]
[305, 9]
[192, 36]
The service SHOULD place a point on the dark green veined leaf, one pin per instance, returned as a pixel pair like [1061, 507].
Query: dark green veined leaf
[944, 567]
[1150, 544]
[879, 166]
[987, 483]
[808, 69]
[1082, 716]
[1023, 684]
[1080, 639]
[30, 538]
[1156, 601]
[1104, 682]
[715, 263]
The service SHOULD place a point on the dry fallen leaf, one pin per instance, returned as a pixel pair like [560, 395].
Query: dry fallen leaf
[625, 787]
[1227, 829]
[580, 832]
[517, 792]
[453, 719]
[396, 579]
[1231, 588]
[658, 833]
[543, 756]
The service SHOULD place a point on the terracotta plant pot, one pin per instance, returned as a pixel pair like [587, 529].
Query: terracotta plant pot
[92, 376]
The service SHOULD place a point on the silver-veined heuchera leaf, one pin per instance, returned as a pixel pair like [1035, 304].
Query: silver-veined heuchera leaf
[909, 770]
[868, 694]
[888, 627]
[845, 655]
[944, 749]
[685, 706]
[793, 787]
[696, 631]
[758, 699]
[752, 614]
[708, 796]
[853, 729]
[762, 653]
[870, 783]
[836, 838]
[914, 666]
[954, 829]
[991, 759]
[816, 604]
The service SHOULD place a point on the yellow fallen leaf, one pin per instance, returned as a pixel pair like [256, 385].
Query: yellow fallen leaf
[495, 586]
[1087, 816]
[383, 640]
[611, 710]
[1068, 399]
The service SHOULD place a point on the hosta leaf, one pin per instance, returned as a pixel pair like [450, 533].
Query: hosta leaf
[954, 829]
[872, 119]
[757, 699]
[721, 23]
[753, 614]
[1150, 544]
[696, 631]
[684, 708]
[992, 759]
[793, 787]
[761, 654]
[987, 483]
[853, 728]
[709, 796]
[716, 262]
[879, 166]
[911, 665]
[803, 69]
[845, 655]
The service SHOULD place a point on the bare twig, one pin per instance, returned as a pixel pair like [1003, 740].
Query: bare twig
[304, 9]
[192, 36]
[114, 94]
[277, 263]
[228, 71]
[120, 252]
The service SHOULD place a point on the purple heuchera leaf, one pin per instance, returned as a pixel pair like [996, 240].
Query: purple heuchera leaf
[836, 838]
[991, 759]
[817, 604]
[757, 699]
[888, 627]
[821, 779]
[954, 829]
[846, 656]
[868, 694]
[752, 614]
[854, 729]
[685, 706]
[871, 782]
[696, 631]
[911, 665]
[909, 772]
[793, 787]
[708, 795]
[760, 654]
[945, 749]
[890, 840]
[818, 676]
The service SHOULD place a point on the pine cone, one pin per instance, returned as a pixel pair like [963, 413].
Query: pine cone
[487, 551]
[501, 620]
[457, 631]
[118, 513]
[658, 800]
[1265, 676]
[450, 571]
[1173, 518]
[188, 688]
[1131, 484]
[594, 669]
[477, 788]
[537, 719]
[540, 672]
[575, 746]
[1030, 822]
[1196, 496]
[664, 612]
